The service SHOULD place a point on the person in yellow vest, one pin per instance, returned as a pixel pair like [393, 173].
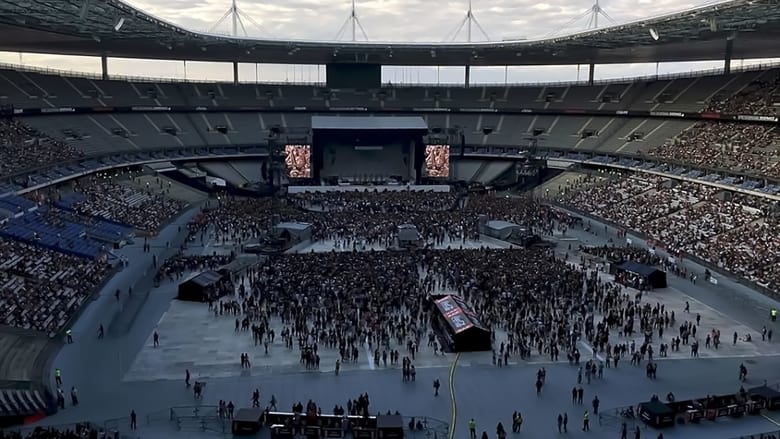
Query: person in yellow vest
[473, 428]
[58, 377]
[69, 336]
[773, 314]
[586, 422]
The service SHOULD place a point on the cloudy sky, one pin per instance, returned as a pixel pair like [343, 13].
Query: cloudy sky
[385, 20]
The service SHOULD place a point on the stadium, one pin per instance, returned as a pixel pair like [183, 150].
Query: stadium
[196, 259]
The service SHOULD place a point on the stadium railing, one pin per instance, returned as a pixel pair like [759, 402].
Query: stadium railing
[628, 79]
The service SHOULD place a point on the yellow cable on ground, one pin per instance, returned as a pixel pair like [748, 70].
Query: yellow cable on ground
[454, 404]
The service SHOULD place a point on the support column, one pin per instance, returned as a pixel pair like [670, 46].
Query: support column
[727, 58]
[468, 76]
[104, 65]
[235, 72]
[591, 73]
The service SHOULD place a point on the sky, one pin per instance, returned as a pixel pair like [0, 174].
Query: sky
[386, 20]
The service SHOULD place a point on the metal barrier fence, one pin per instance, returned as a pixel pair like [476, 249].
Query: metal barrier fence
[200, 418]
[613, 418]
[432, 428]
[205, 418]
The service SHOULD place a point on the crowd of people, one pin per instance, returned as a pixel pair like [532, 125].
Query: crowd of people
[146, 210]
[375, 201]
[347, 219]
[343, 299]
[733, 231]
[755, 98]
[23, 148]
[79, 431]
[347, 300]
[42, 289]
[750, 148]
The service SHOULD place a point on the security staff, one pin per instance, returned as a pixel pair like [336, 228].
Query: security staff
[69, 336]
[58, 377]
[473, 428]
[586, 422]
[773, 314]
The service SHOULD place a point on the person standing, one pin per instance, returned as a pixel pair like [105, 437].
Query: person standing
[565, 422]
[133, 421]
[436, 386]
[585, 421]
[74, 398]
[58, 377]
[187, 378]
[519, 421]
[230, 408]
[156, 339]
[60, 398]
[473, 429]
[560, 423]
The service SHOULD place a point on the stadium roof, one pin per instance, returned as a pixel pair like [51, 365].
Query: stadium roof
[115, 29]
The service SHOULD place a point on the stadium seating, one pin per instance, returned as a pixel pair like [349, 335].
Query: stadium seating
[38, 90]
[22, 147]
[120, 203]
[41, 289]
[730, 231]
[21, 402]
[749, 91]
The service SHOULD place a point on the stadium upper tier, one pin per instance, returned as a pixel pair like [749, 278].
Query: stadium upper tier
[714, 144]
[30, 89]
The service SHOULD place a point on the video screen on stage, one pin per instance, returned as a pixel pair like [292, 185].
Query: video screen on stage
[437, 161]
[298, 161]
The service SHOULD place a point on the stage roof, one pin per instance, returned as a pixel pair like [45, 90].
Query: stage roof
[92, 28]
[368, 123]
[206, 279]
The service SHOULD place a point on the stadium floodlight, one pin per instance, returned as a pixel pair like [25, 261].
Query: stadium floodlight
[118, 25]
[237, 15]
[468, 21]
[654, 34]
[356, 25]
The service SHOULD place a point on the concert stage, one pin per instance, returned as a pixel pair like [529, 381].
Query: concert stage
[368, 148]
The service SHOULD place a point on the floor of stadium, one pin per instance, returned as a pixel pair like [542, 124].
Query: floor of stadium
[124, 372]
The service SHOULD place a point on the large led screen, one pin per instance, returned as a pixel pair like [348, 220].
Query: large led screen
[298, 161]
[437, 161]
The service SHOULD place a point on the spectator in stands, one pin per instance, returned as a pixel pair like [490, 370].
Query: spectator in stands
[41, 289]
[146, 209]
[736, 232]
[24, 148]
